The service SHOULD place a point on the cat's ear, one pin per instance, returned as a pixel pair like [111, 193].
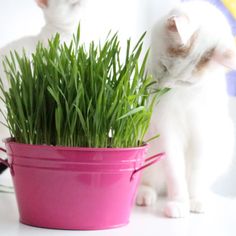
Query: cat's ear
[182, 26]
[226, 57]
[42, 3]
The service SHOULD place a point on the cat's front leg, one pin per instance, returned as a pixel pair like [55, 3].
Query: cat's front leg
[178, 198]
[197, 189]
[147, 191]
[146, 196]
[199, 160]
[197, 192]
[152, 177]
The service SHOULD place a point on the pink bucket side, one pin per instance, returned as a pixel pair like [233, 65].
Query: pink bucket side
[75, 188]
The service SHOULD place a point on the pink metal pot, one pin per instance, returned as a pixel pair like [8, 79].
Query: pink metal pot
[75, 188]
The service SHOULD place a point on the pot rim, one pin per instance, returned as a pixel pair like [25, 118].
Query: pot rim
[89, 149]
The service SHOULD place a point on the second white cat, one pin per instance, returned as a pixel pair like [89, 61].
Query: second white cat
[61, 16]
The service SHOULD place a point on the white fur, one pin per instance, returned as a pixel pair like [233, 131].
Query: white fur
[192, 118]
[61, 16]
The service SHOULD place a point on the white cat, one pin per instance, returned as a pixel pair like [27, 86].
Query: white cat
[191, 48]
[61, 16]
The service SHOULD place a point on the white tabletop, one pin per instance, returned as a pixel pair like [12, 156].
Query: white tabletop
[220, 220]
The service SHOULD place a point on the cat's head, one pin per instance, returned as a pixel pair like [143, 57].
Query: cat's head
[192, 40]
[62, 13]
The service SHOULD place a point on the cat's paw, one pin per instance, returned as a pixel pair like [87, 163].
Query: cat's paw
[146, 196]
[197, 205]
[177, 209]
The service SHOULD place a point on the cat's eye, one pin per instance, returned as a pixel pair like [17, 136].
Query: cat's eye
[74, 3]
[164, 67]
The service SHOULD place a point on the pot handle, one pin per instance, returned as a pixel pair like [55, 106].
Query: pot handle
[4, 162]
[149, 161]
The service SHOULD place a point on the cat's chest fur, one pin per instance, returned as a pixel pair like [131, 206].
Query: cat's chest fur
[188, 112]
[198, 100]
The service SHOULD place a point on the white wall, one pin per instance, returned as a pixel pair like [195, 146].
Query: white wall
[131, 17]
[18, 18]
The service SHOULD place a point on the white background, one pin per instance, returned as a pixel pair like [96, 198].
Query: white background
[131, 17]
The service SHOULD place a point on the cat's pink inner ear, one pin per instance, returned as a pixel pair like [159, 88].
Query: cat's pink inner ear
[181, 25]
[226, 58]
[42, 3]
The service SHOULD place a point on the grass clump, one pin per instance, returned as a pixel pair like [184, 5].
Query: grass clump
[70, 96]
